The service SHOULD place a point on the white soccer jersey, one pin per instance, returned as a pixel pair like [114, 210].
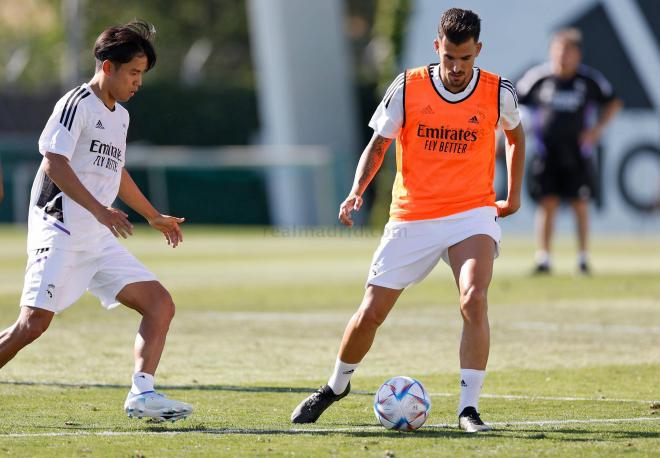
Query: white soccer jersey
[93, 138]
[388, 117]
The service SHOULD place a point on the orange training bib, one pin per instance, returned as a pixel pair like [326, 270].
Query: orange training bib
[445, 151]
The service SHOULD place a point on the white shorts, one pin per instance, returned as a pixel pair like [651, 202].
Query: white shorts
[409, 250]
[55, 278]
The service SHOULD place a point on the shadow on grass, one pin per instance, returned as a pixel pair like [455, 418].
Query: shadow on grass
[542, 432]
[369, 431]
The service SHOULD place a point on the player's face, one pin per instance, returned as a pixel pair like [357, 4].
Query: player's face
[456, 62]
[565, 58]
[126, 79]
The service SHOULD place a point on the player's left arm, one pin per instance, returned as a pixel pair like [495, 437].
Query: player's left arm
[601, 91]
[514, 146]
[591, 136]
[515, 166]
[131, 195]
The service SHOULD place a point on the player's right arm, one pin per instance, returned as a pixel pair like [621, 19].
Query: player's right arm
[369, 164]
[57, 144]
[386, 123]
[57, 167]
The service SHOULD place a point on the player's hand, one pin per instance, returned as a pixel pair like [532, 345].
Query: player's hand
[590, 137]
[507, 207]
[115, 220]
[351, 203]
[169, 226]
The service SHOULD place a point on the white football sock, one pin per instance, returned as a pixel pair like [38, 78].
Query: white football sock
[142, 382]
[341, 376]
[583, 257]
[471, 382]
[543, 258]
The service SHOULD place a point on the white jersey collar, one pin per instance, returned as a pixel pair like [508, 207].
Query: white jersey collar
[99, 102]
[450, 96]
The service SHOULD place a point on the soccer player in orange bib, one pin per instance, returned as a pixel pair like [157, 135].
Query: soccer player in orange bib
[444, 118]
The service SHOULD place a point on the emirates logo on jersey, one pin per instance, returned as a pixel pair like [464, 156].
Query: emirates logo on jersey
[444, 139]
[108, 155]
[446, 133]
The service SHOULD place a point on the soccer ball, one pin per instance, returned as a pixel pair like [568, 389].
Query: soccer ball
[402, 403]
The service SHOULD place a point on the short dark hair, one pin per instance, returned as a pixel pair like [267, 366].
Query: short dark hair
[120, 44]
[570, 36]
[459, 25]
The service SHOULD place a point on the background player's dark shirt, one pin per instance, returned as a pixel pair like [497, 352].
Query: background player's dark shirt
[560, 108]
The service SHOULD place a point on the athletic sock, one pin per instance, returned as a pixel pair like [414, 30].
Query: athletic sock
[341, 376]
[142, 382]
[583, 257]
[543, 258]
[471, 382]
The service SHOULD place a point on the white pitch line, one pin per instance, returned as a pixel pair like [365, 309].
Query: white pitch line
[547, 398]
[294, 431]
[437, 320]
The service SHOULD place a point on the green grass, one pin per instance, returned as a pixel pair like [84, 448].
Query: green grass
[258, 325]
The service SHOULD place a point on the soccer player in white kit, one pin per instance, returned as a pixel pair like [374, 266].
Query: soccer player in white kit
[72, 228]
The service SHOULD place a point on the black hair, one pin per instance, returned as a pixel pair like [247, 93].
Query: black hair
[459, 25]
[120, 44]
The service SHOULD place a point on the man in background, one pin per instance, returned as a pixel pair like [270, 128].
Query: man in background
[570, 104]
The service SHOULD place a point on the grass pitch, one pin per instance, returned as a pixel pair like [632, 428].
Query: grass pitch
[574, 368]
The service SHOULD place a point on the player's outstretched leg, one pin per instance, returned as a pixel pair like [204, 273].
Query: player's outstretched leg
[472, 264]
[358, 337]
[31, 323]
[155, 305]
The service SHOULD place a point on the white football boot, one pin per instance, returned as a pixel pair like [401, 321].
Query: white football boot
[155, 405]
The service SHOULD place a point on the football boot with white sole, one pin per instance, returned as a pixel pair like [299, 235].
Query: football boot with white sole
[470, 421]
[151, 404]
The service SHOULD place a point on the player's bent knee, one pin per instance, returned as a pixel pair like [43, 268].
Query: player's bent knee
[156, 303]
[474, 303]
[166, 308]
